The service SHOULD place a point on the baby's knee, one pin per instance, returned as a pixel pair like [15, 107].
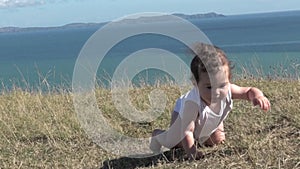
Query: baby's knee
[216, 138]
[219, 137]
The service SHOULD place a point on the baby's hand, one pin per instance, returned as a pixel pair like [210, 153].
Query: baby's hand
[262, 102]
[197, 156]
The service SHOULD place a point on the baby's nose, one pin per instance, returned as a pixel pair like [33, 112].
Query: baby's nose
[216, 92]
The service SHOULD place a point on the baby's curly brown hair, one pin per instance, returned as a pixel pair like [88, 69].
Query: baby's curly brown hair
[208, 58]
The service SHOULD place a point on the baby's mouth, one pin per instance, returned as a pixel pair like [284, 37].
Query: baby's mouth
[216, 97]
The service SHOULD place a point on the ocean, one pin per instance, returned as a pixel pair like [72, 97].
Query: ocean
[266, 44]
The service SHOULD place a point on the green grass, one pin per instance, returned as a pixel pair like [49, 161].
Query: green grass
[41, 130]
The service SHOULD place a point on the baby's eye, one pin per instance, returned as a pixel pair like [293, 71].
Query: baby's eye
[223, 85]
[208, 87]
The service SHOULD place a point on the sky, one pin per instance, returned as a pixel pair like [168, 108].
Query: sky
[44, 13]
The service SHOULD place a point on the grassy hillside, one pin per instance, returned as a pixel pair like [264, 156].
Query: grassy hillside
[41, 130]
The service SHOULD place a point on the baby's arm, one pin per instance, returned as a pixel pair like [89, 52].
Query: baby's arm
[252, 94]
[190, 113]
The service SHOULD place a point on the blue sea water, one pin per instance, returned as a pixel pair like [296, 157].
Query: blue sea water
[47, 57]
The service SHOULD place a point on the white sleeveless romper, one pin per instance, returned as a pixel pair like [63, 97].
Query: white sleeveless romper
[207, 120]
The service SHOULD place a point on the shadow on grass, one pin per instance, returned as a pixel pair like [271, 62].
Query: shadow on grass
[132, 163]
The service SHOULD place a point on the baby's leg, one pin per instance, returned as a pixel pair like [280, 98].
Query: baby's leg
[170, 138]
[155, 146]
[172, 135]
[217, 137]
[173, 119]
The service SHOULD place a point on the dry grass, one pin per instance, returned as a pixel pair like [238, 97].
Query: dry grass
[41, 130]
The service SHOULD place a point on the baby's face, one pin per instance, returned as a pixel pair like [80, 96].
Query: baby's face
[214, 87]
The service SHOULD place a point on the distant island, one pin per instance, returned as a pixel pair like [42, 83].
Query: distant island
[197, 16]
[81, 25]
